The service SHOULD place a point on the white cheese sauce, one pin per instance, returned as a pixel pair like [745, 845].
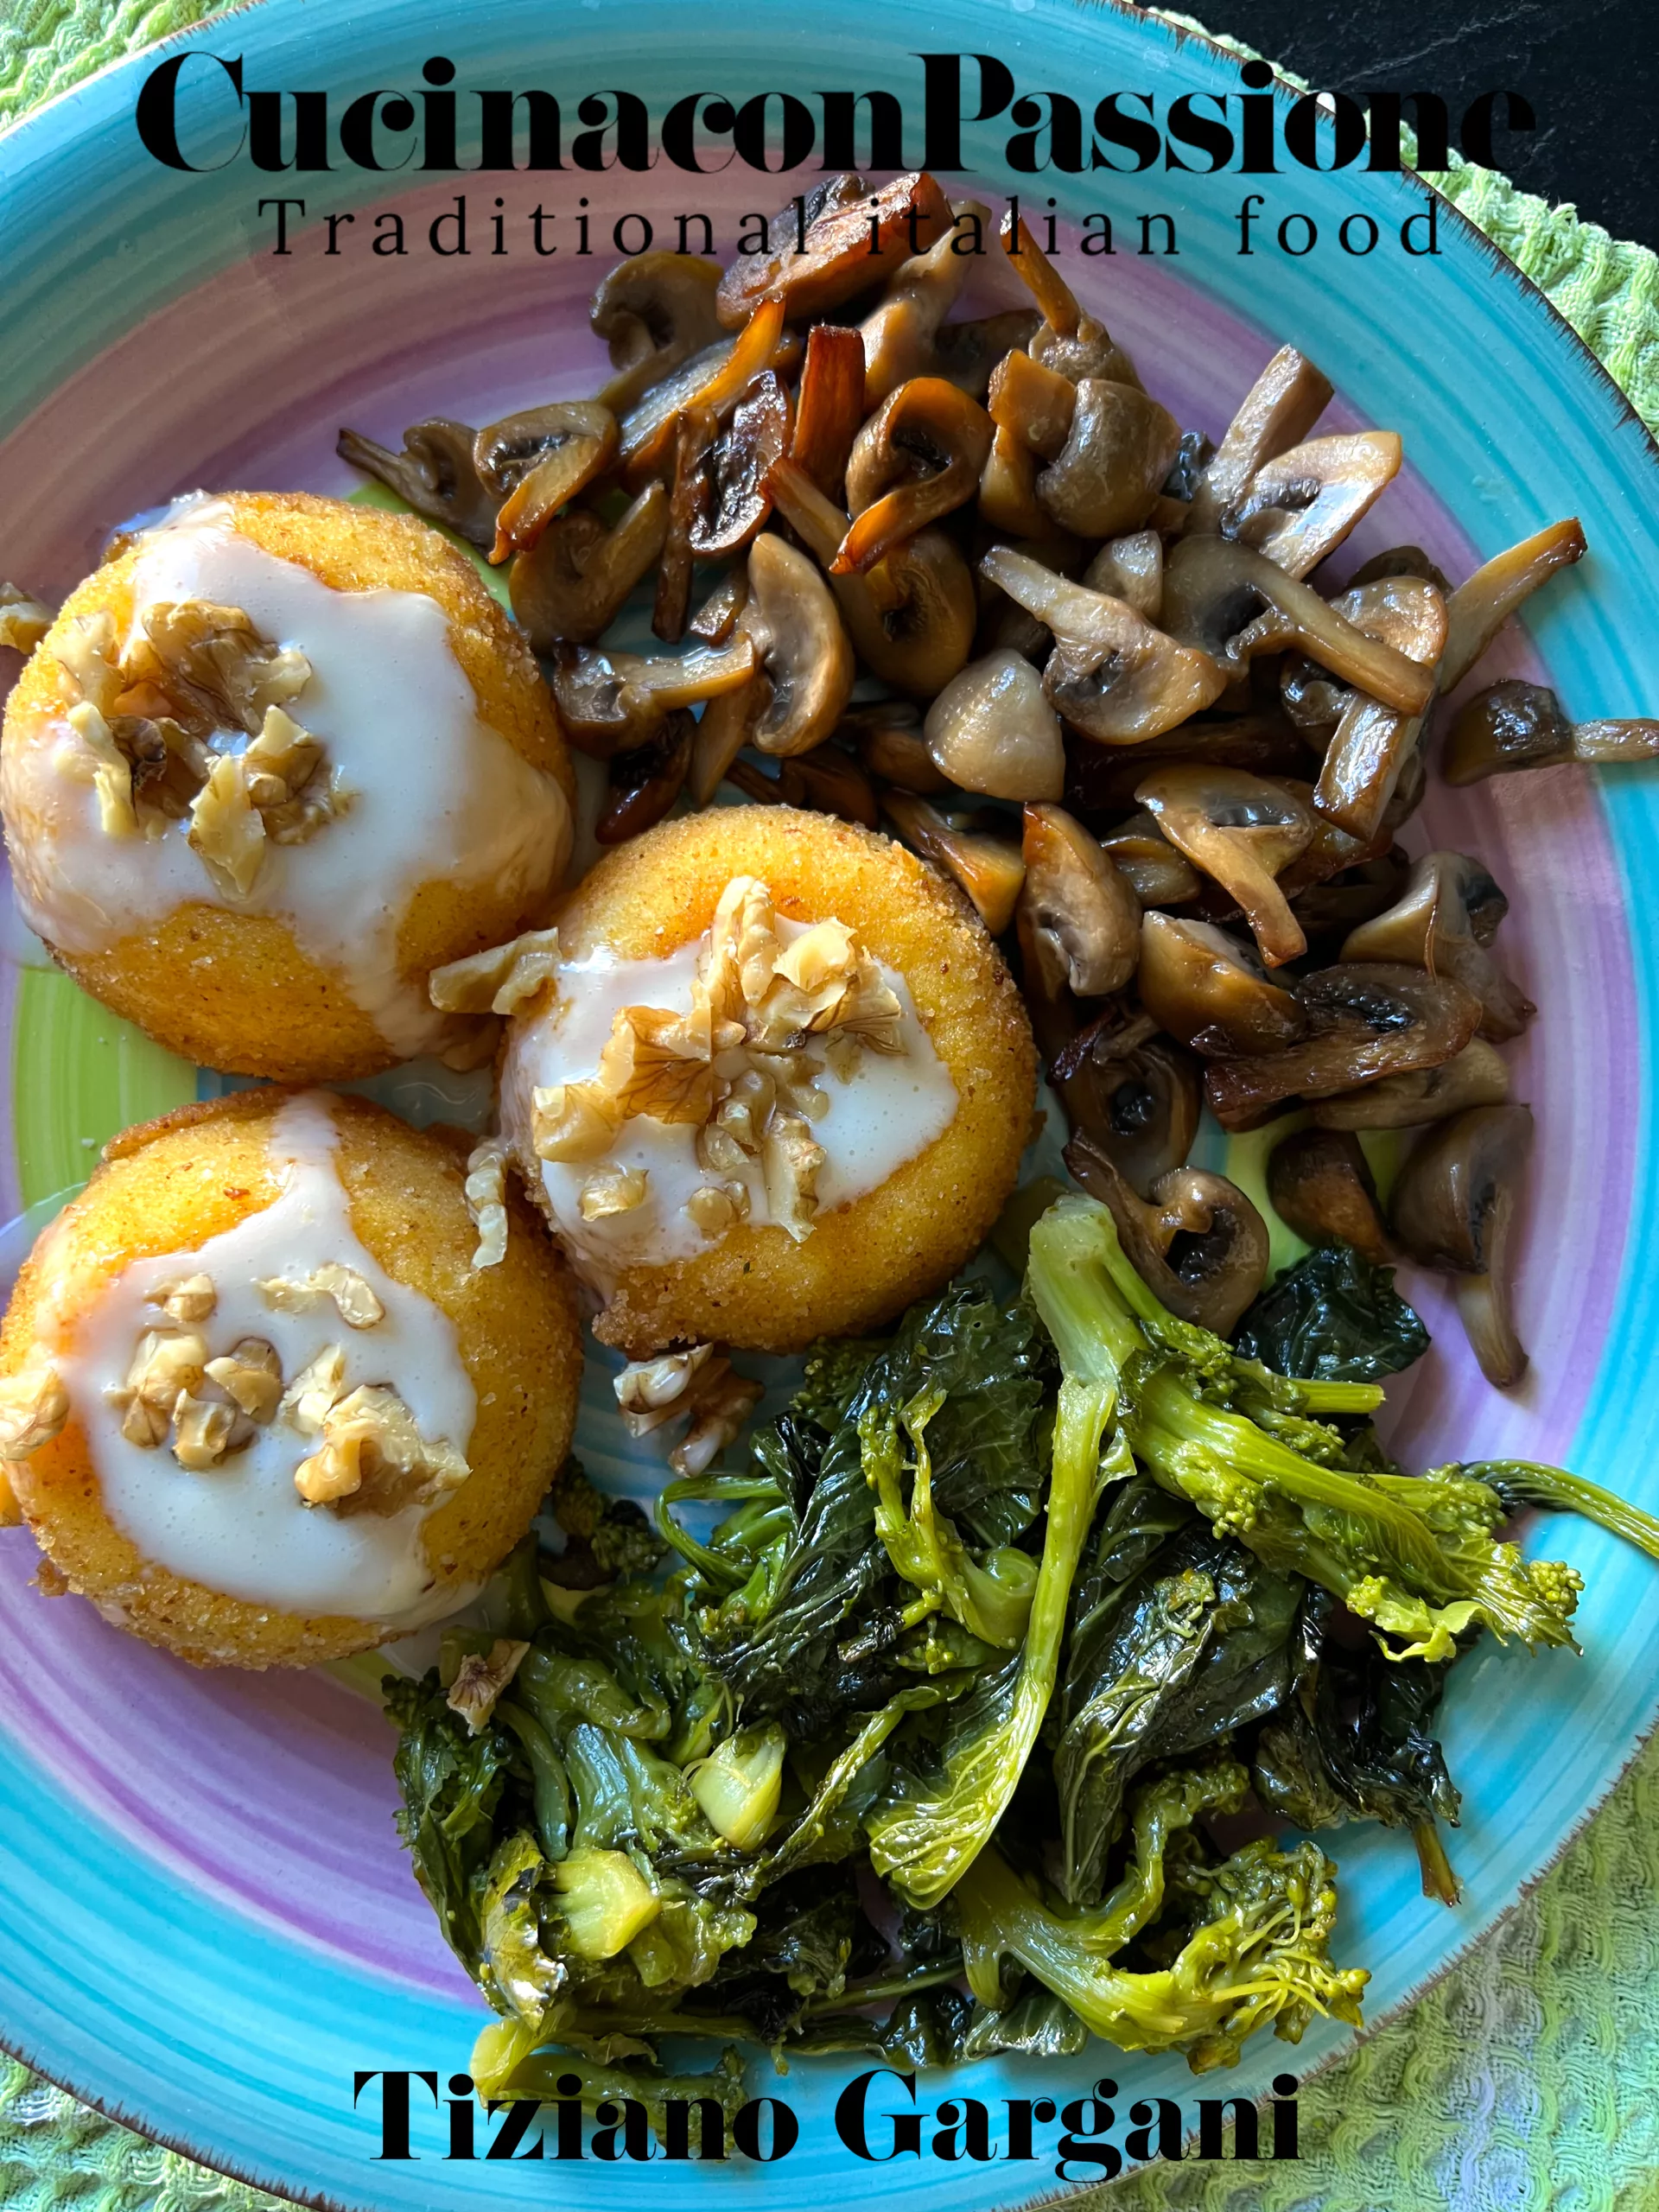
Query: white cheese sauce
[241, 1527]
[891, 1107]
[437, 793]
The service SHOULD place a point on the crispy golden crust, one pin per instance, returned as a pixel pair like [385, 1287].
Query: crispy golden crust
[865, 1262]
[170, 1184]
[235, 991]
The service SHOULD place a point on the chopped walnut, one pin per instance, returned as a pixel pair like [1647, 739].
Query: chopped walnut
[697, 1385]
[34, 1406]
[203, 1432]
[502, 981]
[372, 1448]
[354, 1298]
[716, 1207]
[191, 1299]
[168, 1364]
[216, 664]
[481, 1680]
[795, 1076]
[654, 1064]
[306, 1402]
[743, 1112]
[574, 1121]
[486, 1193]
[98, 761]
[228, 829]
[718, 1150]
[250, 1376]
[742, 947]
[85, 655]
[610, 1191]
[791, 1161]
[289, 782]
[23, 620]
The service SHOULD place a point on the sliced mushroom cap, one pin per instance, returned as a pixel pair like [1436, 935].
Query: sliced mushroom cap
[1111, 675]
[1454, 1208]
[828, 405]
[1103, 780]
[1215, 591]
[898, 335]
[1149, 864]
[1373, 742]
[654, 312]
[1211, 991]
[1117, 452]
[1481, 605]
[968, 353]
[536, 461]
[435, 472]
[889, 736]
[718, 616]
[612, 703]
[731, 500]
[1131, 569]
[1515, 725]
[1332, 906]
[1300, 505]
[806, 657]
[1031, 410]
[1080, 920]
[1478, 1075]
[1435, 924]
[1402, 561]
[854, 238]
[990, 869]
[1131, 1090]
[917, 458]
[1276, 413]
[1320, 1186]
[991, 730]
[1242, 831]
[570, 586]
[642, 785]
[1198, 1245]
[713, 380]
[1069, 342]
[1363, 1021]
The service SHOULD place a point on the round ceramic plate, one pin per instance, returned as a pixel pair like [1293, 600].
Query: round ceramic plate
[207, 1925]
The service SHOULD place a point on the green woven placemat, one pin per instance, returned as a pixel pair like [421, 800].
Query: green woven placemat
[1524, 2081]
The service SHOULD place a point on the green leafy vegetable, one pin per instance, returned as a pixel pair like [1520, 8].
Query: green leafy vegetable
[1333, 1317]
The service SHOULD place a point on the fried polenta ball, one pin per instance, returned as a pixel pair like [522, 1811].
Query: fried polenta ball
[778, 1087]
[260, 1403]
[274, 762]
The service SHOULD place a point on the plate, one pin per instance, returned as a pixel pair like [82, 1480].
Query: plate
[208, 1926]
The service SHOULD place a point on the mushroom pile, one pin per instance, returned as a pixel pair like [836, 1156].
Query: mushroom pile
[965, 579]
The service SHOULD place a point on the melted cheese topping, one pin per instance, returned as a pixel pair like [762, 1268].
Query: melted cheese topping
[437, 793]
[890, 1107]
[241, 1527]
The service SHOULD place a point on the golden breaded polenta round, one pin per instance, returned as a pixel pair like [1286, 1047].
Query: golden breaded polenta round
[237, 990]
[169, 1185]
[865, 1261]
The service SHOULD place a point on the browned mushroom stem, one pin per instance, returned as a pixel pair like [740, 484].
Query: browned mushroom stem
[1277, 412]
[1515, 725]
[854, 239]
[830, 405]
[1478, 1075]
[612, 703]
[829, 781]
[1005, 624]
[1330, 852]
[1117, 452]
[717, 617]
[643, 785]
[1080, 921]
[1402, 561]
[715, 380]
[900, 335]
[1111, 675]
[1197, 1243]
[695, 432]
[1123, 1083]
[1031, 408]
[1364, 1022]
[536, 461]
[1103, 780]
[1242, 830]
[988, 868]
[912, 618]
[889, 736]
[1211, 991]
[1071, 343]
[732, 500]
[1213, 590]
[654, 312]
[915, 461]
[991, 730]
[1342, 902]
[1436, 924]
[1453, 1209]
[435, 472]
[1319, 1183]
[1373, 742]
[1299, 506]
[1481, 605]
[1149, 864]
[1131, 569]
[571, 585]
